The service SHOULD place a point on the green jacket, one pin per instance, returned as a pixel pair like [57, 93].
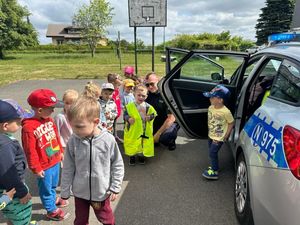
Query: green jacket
[136, 139]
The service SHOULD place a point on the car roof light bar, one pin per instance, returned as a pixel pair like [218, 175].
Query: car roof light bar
[284, 37]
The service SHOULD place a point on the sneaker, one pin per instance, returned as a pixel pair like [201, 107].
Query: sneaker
[33, 222]
[210, 174]
[56, 215]
[142, 160]
[131, 160]
[172, 146]
[60, 203]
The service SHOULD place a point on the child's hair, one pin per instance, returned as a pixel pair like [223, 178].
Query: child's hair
[91, 90]
[84, 108]
[71, 94]
[111, 77]
[140, 87]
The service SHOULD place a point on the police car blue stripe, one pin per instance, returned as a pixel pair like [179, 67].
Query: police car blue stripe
[267, 138]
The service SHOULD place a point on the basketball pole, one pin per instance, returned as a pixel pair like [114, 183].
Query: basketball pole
[135, 51]
[153, 50]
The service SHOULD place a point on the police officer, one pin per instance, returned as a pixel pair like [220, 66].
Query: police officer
[164, 128]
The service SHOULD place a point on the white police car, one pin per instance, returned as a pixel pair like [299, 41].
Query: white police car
[265, 102]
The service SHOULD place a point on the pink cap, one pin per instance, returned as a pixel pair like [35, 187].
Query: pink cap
[129, 70]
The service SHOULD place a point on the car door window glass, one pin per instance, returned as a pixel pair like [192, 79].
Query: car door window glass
[213, 68]
[287, 83]
[262, 84]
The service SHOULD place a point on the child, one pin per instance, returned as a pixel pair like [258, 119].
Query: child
[13, 165]
[92, 90]
[43, 149]
[117, 82]
[220, 123]
[127, 95]
[93, 164]
[108, 106]
[129, 73]
[63, 127]
[138, 137]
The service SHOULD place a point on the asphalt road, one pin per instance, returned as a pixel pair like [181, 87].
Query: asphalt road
[168, 190]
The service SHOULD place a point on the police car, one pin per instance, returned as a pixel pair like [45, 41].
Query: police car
[265, 102]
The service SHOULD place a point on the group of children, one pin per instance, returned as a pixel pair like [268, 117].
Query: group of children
[83, 137]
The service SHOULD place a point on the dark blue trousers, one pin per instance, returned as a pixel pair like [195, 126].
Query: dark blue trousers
[169, 135]
[213, 153]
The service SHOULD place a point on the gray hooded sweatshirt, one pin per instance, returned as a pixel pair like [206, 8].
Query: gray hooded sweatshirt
[93, 167]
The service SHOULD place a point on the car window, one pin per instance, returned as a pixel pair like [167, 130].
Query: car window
[287, 83]
[262, 84]
[210, 67]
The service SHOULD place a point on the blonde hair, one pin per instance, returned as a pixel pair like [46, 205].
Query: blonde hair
[140, 87]
[91, 90]
[70, 94]
[84, 108]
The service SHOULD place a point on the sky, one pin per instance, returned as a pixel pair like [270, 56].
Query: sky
[183, 17]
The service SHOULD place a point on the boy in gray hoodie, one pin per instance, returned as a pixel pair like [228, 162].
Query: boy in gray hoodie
[93, 165]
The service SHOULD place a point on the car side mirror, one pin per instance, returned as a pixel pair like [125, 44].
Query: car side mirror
[216, 76]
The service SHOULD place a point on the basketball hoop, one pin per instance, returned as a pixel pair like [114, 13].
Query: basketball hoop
[147, 13]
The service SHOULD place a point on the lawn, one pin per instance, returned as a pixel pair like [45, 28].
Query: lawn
[20, 66]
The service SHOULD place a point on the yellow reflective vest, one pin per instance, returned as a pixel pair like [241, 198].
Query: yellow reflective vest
[136, 139]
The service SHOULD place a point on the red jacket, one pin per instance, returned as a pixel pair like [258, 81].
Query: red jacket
[116, 97]
[41, 143]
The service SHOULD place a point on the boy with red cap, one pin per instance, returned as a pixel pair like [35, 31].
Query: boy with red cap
[43, 149]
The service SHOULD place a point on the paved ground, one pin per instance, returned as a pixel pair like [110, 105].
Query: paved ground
[168, 190]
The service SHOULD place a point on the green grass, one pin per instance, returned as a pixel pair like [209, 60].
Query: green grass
[20, 66]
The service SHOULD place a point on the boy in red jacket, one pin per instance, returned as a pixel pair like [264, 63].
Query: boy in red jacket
[43, 149]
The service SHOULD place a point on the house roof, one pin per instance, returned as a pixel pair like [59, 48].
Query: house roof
[60, 30]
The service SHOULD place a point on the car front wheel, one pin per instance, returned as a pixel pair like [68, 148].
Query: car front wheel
[241, 193]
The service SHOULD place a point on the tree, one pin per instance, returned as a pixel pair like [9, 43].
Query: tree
[93, 19]
[276, 17]
[15, 28]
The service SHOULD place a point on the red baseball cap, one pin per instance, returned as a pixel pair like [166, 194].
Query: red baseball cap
[43, 98]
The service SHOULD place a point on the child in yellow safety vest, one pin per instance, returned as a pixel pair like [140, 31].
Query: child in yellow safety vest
[138, 132]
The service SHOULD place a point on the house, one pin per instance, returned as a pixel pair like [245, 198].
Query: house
[66, 33]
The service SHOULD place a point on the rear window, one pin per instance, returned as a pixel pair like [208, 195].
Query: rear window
[287, 83]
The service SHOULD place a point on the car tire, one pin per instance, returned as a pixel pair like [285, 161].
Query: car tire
[242, 204]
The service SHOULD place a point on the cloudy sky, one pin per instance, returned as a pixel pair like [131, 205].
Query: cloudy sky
[183, 16]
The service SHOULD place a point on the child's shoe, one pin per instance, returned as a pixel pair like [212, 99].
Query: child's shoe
[132, 161]
[60, 203]
[142, 160]
[33, 222]
[210, 174]
[56, 215]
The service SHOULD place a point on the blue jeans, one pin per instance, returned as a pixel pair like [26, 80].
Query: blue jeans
[47, 186]
[213, 153]
[169, 135]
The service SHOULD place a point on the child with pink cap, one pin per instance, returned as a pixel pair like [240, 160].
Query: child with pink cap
[129, 73]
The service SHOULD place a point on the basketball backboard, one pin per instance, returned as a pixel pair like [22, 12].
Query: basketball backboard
[147, 13]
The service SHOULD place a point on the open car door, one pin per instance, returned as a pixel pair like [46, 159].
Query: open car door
[198, 72]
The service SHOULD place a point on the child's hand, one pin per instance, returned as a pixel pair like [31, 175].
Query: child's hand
[113, 197]
[10, 193]
[41, 174]
[25, 199]
[131, 120]
[148, 118]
